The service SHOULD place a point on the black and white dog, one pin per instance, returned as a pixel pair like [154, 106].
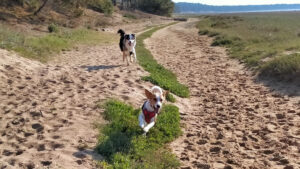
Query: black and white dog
[127, 45]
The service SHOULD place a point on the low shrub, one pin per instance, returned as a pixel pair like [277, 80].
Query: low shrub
[53, 28]
[104, 6]
[282, 66]
[130, 16]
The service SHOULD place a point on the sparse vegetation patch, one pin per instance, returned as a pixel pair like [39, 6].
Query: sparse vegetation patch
[43, 47]
[262, 41]
[158, 74]
[123, 146]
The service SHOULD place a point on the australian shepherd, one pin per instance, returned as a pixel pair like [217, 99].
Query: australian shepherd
[127, 46]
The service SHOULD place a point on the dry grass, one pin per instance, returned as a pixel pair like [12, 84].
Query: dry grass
[261, 41]
[41, 48]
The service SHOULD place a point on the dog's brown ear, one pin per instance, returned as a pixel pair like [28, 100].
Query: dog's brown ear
[165, 93]
[148, 94]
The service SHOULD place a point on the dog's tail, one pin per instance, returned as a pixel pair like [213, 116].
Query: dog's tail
[121, 32]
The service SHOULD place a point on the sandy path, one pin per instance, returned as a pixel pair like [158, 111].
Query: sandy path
[48, 112]
[230, 120]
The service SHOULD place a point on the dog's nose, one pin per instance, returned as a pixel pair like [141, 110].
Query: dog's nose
[158, 106]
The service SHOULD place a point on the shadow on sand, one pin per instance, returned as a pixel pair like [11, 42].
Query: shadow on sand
[290, 87]
[99, 67]
[82, 154]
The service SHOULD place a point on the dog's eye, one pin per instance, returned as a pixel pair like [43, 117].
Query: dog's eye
[161, 100]
[155, 99]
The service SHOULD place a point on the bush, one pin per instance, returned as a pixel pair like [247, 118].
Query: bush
[130, 16]
[123, 146]
[160, 7]
[53, 28]
[221, 41]
[283, 66]
[104, 6]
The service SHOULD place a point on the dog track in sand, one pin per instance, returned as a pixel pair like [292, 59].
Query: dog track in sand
[231, 121]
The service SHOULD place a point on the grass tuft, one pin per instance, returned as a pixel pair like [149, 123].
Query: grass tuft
[43, 47]
[123, 146]
[282, 66]
[170, 98]
[53, 28]
[262, 41]
[158, 74]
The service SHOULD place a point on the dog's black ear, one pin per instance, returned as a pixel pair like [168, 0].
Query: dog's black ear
[120, 31]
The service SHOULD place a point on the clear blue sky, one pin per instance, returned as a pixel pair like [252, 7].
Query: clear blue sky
[240, 2]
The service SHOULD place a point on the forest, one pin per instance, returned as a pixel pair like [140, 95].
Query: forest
[160, 7]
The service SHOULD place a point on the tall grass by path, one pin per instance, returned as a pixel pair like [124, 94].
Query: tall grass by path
[122, 144]
[158, 74]
[267, 42]
[41, 48]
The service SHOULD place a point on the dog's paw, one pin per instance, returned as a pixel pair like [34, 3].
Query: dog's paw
[144, 134]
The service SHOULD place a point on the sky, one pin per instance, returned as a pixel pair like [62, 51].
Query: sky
[241, 2]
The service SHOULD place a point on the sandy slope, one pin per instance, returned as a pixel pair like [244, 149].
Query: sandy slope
[230, 120]
[47, 112]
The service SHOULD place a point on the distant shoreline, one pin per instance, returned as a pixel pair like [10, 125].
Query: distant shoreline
[232, 12]
[198, 8]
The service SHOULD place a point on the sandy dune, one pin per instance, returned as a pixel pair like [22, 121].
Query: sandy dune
[48, 113]
[231, 121]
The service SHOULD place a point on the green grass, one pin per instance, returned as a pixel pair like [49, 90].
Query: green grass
[129, 16]
[43, 47]
[262, 41]
[170, 98]
[123, 146]
[158, 74]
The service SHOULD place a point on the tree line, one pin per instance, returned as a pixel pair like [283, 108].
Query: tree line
[159, 7]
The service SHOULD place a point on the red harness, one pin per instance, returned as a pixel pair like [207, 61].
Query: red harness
[148, 114]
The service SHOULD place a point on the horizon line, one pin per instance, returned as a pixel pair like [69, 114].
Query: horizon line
[240, 5]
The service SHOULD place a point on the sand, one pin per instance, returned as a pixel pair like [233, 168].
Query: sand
[231, 120]
[49, 114]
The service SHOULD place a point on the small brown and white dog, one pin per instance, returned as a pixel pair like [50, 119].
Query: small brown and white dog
[127, 45]
[151, 108]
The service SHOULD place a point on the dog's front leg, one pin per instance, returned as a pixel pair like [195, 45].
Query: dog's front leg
[150, 125]
[134, 55]
[123, 56]
[130, 57]
[126, 56]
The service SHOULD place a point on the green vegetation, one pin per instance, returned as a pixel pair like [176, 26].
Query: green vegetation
[266, 42]
[158, 74]
[42, 47]
[62, 6]
[170, 98]
[283, 65]
[159, 7]
[123, 146]
[104, 6]
[53, 28]
[130, 16]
